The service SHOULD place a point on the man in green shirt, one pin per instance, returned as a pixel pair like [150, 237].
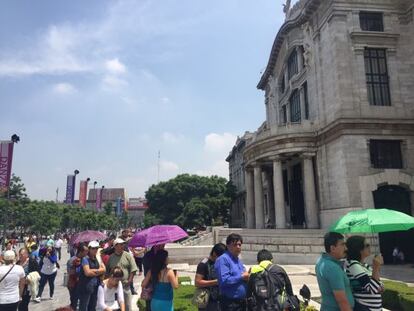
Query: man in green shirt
[126, 262]
[333, 282]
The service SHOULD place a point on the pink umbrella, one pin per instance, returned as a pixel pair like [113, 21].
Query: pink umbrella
[87, 236]
[156, 235]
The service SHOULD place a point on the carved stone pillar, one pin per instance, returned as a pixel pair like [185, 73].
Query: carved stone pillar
[250, 223]
[258, 197]
[311, 208]
[279, 194]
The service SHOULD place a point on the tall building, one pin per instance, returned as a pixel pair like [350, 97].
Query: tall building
[339, 129]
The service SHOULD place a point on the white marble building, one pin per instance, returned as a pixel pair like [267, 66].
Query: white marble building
[339, 129]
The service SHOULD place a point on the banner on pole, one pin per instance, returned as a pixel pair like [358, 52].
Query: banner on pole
[6, 156]
[70, 189]
[99, 198]
[82, 193]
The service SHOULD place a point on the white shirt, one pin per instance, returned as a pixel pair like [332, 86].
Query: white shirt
[58, 243]
[48, 267]
[106, 297]
[9, 287]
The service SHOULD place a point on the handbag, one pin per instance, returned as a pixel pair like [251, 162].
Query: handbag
[201, 297]
[146, 293]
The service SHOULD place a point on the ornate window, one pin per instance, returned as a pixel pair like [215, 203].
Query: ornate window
[377, 77]
[283, 115]
[293, 64]
[306, 103]
[282, 83]
[294, 102]
[371, 21]
[385, 153]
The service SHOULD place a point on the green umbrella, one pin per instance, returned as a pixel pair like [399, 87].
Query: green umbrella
[373, 221]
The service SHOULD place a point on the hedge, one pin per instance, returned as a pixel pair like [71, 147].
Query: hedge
[182, 299]
[398, 296]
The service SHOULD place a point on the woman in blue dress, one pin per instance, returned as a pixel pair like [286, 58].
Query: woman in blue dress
[162, 280]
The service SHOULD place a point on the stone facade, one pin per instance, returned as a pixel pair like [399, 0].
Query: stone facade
[314, 159]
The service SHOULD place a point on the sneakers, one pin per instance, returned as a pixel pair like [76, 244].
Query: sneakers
[37, 299]
[50, 298]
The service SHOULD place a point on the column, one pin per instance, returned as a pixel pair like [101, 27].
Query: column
[270, 199]
[258, 197]
[279, 194]
[311, 209]
[249, 199]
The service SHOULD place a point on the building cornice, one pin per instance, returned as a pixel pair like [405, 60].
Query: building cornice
[308, 9]
[287, 144]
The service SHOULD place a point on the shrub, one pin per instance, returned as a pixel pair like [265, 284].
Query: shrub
[398, 296]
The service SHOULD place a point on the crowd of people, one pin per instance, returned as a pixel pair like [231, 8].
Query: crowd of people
[100, 276]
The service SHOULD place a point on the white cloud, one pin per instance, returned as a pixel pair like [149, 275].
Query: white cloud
[219, 143]
[114, 66]
[219, 168]
[112, 82]
[172, 138]
[64, 88]
[168, 167]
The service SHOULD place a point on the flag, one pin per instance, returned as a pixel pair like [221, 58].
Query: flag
[6, 156]
[82, 193]
[70, 189]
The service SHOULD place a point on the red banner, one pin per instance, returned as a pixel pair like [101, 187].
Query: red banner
[99, 198]
[82, 193]
[6, 156]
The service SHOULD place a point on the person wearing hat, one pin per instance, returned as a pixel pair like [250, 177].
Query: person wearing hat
[12, 281]
[89, 278]
[124, 260]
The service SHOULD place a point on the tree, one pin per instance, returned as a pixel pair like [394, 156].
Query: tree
[189, 200]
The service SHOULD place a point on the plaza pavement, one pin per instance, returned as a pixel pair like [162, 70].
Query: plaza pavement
[298, 274]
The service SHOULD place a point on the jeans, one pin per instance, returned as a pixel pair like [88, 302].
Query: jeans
[233, 304]
[212, 306]
[127, 298]
[87, 300]
[138, 261]
[74, 297]
[45, 278]
[9, 306]
[24, 303]
[59, 252]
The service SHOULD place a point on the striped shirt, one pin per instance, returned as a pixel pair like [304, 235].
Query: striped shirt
[366, 290]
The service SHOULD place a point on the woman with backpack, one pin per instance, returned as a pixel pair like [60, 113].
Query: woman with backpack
[111, 292]
[162, 280]
[48, 271]
[89, 279]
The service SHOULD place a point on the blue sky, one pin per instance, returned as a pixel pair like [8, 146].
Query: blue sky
[101, 86]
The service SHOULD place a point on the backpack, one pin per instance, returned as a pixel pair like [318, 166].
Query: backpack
[266, 293]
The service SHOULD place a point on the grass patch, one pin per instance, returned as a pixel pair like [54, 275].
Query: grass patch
[182, 299]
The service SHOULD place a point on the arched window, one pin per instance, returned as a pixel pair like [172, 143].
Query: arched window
[293, 64]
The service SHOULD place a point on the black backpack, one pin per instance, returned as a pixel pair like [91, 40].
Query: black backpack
[265, 293]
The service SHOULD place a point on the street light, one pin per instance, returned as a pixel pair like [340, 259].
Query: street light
[76, 172]
[15, 138]
[94, 184]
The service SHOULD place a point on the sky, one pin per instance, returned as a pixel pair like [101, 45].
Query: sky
[106, 86]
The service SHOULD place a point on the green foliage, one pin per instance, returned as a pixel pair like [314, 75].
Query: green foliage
[398, 296]
[190, 201]
[182, 299]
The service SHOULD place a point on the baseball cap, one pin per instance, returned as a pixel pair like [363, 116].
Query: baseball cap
[9, 255]
[119, 241]
[93, 244]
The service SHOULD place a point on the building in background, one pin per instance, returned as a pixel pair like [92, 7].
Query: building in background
[339, 130]
[109, 195]
[136, 210]
[236, 176]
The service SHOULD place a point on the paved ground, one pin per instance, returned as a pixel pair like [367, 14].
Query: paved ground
[299, 275]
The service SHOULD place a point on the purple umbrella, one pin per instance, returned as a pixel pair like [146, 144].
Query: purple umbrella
[87, 236]
[156, 235]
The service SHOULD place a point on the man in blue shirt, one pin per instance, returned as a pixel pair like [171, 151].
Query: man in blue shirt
[232, 276]
[332, 279]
